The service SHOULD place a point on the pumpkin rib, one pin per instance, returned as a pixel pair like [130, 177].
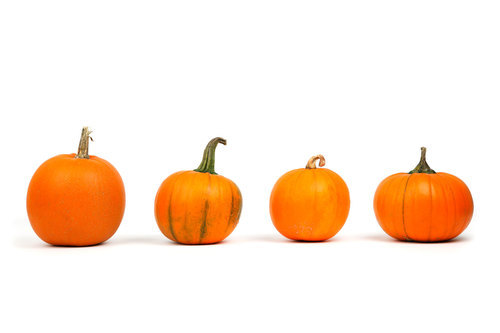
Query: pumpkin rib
[162, 207]
[314, 213]
[314, 177]
[419, 217]
[429, 182]
[309, 177]
[336, 181]
[437, 198]
[454, 226]
[233, 209]
[446, 188]
[230, 207]
[403, 215]
[455, 201]
[394, 201]
[336, 195]
[318, 216]
[238, 205]
[170, 217]
[195, 202]
[298, 181]
[310, 215]
[395, 224]
[203, 227]
[388, 204]
[465, 197]
[289, 181]
[455, 210]
[458, 225]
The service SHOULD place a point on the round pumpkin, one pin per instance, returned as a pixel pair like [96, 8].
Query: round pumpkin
[310, 204]
[423, 205]
[76, 199]
[199, 206]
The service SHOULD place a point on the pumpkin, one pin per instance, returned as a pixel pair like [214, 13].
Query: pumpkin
[76, 199]
[423, 205]
[309, 204]
[199, 206]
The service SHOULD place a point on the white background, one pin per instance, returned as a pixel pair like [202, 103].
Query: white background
[366, 83]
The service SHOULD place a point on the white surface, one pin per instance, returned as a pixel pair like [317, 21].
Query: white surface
[365, 83]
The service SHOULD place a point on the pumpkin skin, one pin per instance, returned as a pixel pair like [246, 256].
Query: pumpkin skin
[75, 201]
[310, 204]
[423, 207]
[198, 207]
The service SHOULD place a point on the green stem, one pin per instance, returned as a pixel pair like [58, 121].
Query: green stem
[422, 166]
[83, 147]
[208, 162]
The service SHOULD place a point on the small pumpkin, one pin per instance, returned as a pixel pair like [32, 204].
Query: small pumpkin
[423, 205]
[199, 206]
[310, 204]
[76, 199]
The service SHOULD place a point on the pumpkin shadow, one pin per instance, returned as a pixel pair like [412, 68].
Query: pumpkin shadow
[35, 243]
[158, 240]
[388, 239]
[30, 243]
[142, 240]
[278, 239]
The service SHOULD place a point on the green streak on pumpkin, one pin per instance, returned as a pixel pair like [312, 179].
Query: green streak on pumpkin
[203, 229]
[235, 210]
[170, 221]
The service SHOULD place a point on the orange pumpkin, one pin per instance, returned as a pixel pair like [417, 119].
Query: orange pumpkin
[76, 199]
[310, 204]
[423, 205]
[200, 206]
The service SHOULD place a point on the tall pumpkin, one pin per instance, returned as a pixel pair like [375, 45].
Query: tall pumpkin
[200, 206]
[423, 205]
[309, 204]
[76, 199]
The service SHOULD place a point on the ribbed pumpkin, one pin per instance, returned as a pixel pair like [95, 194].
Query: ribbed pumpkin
[423, 205]
[310, 204]
[76, 199]
[200, 206]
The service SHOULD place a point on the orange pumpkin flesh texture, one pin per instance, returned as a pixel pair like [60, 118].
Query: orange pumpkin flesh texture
[76, 199]
[200, 206]
[423, 205]
[310, 204]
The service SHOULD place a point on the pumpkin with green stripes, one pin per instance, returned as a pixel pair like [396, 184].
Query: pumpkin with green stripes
[199, 206]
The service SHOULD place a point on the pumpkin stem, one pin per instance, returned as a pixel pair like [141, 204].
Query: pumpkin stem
[422, 166]
[311, 164]
[83, 147]
[208, 162]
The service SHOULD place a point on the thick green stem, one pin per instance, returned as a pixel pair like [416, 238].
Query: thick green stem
[422, 166]
[208, 162]
[83, 147]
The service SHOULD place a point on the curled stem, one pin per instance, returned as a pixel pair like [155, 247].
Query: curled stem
[208, 162]
[311, 164]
